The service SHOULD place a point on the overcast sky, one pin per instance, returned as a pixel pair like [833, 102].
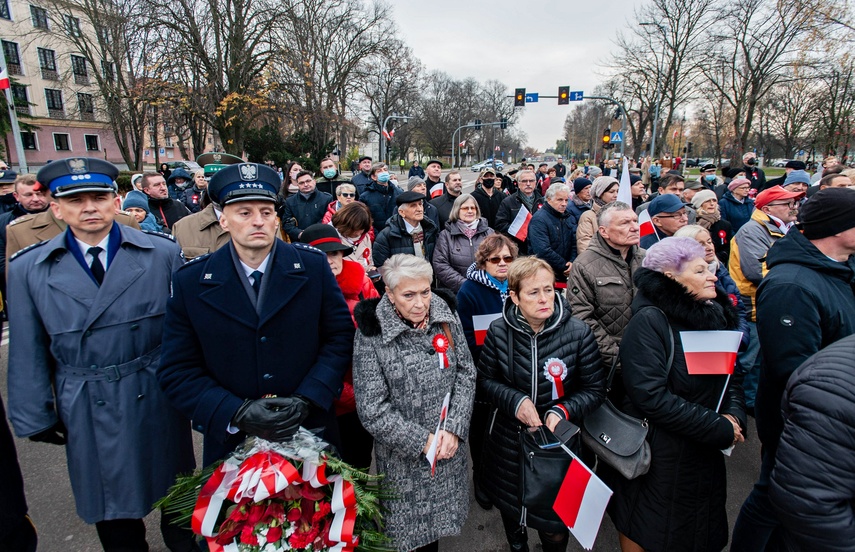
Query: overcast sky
[545, 45]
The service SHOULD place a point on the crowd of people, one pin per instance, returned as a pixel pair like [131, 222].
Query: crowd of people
[249, 302]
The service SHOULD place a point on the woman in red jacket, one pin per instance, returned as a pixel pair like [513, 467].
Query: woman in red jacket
[356, 443]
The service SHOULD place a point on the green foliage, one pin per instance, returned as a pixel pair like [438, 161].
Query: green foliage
[124, 181]
[266, 143]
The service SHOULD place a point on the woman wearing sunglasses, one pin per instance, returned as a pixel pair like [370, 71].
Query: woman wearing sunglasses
[344, 195]
[479, 300]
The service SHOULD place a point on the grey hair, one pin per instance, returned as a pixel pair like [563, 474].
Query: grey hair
[404, 266]
[556, 188]
[344, 188]
[519, 174]
[458, 203]
[690, 231]
[604, 217]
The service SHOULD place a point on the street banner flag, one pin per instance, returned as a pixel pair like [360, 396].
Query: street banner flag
[645, 223]
[498, 148]
[581, 503]
[443, 415]
[4, 80]
[462, 144]
[388, 134]
[481, 323]
[710, 353]
[624, 190]
[519, 227]
[436, 190]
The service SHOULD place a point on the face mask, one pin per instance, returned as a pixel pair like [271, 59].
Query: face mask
[383, 177]
[329, 173]
[751, 161]
[709, 178]
[488, 182]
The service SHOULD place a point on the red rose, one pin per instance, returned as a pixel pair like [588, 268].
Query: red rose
[228, 531]
[275, 510]
[274, 533]
[256, 512]
[294, 515]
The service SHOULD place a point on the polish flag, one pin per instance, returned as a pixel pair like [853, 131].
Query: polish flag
[481, 323]
[710, 353]
[436, 190]
[443, 416]
[624, 193]
[519, 227]
[388, 134]
[462, 144]
[645, 223]
[4, 80]
[581, 503]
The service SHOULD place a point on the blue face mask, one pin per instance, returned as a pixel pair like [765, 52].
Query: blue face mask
[383, 177]
[329, 173]
[709, 177]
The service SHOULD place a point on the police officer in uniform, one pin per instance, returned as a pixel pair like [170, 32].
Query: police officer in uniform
[257, 334]
[86, 318]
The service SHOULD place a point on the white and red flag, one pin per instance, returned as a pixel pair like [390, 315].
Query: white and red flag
[443, 415]
[645, 223]
[388, 134]
[481, 323]
[462, 144]
[519, 227]
[581, 503]
[436, 190]
[710, 353]
[624, 193]
[4, 80]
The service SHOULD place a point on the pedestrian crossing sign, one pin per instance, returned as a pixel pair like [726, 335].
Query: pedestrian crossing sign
[617, 137]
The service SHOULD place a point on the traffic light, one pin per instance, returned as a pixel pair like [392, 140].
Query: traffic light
[519, 97]
[607, 138]
[504, 123]
[563, 95]
[478, 124]
[689, 146]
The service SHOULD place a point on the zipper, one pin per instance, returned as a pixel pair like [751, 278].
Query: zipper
[534, 365]
[493, 421]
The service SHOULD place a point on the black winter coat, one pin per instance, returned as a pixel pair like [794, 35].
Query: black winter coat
[167, 212]
[680, 503]
[506, 382]
[508, 211]
[489, 205]
[380, 200]
[813, 484]
[395, 239]
[299, 212]
[552, 237]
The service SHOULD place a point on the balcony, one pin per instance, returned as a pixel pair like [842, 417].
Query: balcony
[23, 110]
[87, 116]
[14, 68]
[56, 113]
[81, 79]
[50, 74]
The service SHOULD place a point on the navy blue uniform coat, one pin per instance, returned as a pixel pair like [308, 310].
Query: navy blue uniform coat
[218, 350]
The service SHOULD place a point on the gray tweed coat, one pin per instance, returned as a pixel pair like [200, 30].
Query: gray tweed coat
[399, 392]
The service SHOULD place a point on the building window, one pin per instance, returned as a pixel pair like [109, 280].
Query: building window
[86, 107]
[40, 18]
[29, 140]
[78, 67]
[72, 25]
[13, 58]
[4, 9]
[54, 103]
[109, 70]
[167, 141]
[47, 63]
[92, 142]
[22, 102]
[104, 35]
[61, 142]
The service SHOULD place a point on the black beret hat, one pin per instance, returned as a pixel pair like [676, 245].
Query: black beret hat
[409, 197]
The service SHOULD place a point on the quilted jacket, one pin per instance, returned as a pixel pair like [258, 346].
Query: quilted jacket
[601, 291]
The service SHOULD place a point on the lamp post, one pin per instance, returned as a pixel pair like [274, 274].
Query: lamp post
[406, 118]
[658, 85]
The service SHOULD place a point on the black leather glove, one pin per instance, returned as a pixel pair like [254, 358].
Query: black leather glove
[275, 419]
[55, 435]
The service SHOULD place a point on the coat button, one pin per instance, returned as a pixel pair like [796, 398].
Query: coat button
[100, 403]
[141, 396]
[135, 326]
[87, 333]
[267, 376]
[93, 367]
[199, 428]
[264, 339]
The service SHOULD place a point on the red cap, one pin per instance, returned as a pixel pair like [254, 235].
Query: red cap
[775, 193]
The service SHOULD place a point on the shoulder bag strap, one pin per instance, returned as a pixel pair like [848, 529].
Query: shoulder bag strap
[447, 331]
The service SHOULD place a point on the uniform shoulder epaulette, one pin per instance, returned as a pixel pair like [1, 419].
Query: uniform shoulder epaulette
[161, 234]
[26, 249]
[307, 247]
[194, 260]
[24, 218]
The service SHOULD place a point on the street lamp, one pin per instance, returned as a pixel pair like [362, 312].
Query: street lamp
[659, 72]
[406, 119]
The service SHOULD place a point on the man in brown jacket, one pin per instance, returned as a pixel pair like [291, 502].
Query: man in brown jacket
[200, 233]
[600, 283]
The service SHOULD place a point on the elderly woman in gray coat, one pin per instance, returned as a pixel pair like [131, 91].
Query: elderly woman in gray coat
[409, 353]
[456, 245]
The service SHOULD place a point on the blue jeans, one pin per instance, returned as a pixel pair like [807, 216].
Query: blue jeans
[748, 363]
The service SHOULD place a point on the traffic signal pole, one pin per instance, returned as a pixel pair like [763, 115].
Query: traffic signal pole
[471, 125]
[623, 118]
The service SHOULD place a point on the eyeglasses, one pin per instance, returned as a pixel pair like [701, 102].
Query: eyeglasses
[496, 260]
[469, 208]
[527, 181]
[347, 194]
[790, 204]
[680, 215]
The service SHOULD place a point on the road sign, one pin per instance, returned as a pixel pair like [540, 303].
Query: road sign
[577, 96]
[801, 152]
[531, 97]
[617, 137]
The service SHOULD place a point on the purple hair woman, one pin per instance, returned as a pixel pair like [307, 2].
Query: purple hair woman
[680, 503]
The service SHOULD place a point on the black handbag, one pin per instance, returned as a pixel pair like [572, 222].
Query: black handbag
[618, 439]
[543, 465]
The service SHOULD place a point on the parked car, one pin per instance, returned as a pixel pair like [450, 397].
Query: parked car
[488, 163]
[780, 162]
[189, 166]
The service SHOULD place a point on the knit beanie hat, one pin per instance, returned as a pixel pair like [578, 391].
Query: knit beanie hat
[602, 184]
[702, 197]
[413, 182]
[580, 184]
[737, 182]
[797, 176]
[594, 172]
[829, 212]
[136, 199]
